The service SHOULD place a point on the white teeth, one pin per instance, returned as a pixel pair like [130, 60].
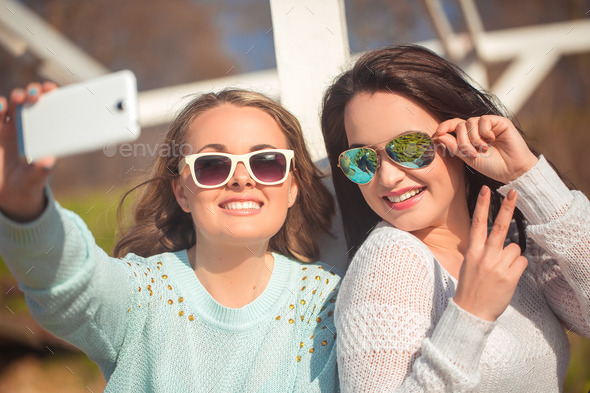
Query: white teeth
[403, 197]
[246, 205]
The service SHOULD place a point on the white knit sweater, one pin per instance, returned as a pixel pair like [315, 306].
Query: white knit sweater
[399, 329]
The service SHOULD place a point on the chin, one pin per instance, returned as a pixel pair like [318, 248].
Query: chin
[407, 224]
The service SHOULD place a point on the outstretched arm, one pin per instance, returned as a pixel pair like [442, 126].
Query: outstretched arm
[71, 286]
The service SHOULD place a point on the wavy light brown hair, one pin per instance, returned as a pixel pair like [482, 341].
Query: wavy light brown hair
[440, 87]
[160, 225]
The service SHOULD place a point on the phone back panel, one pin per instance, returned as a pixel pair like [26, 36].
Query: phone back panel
[80, 117]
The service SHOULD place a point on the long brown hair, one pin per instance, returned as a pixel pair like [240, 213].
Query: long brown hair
[160, 225]
[440, 87]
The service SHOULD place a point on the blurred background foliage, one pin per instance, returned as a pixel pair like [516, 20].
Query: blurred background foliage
[173, 42]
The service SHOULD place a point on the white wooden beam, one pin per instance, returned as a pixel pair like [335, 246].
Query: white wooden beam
[565, 37]
[311, 45]
[444, 30]
[65, 62]
[518, 82]
[160, 106]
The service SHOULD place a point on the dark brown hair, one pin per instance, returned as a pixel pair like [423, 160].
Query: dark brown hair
[160, 225]
[439, 87]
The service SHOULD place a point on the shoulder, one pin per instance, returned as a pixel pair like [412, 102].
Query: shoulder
[385, 233]
[386, 242]
[156, 269]
[318, 271]
[314, 285]
[390, 260]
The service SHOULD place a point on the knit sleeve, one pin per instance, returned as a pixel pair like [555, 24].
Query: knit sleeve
[71, 286]
[316, 359]
[390, 337]
[558, 222]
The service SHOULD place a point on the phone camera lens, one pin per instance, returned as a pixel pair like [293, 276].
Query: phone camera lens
[121, 105]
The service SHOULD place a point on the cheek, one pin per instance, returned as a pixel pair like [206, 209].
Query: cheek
[449, 180]
[455, 172]
[371, 197]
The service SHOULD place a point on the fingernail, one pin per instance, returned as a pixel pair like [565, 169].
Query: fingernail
[1, 106]
[511, 195]
[32, 91]
[484, 191]
[484, 148]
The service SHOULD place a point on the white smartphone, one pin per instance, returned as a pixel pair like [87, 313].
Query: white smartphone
[80, 117]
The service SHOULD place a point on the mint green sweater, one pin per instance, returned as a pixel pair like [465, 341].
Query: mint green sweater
[152, 327]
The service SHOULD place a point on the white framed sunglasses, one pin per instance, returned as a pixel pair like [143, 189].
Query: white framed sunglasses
[211, 170]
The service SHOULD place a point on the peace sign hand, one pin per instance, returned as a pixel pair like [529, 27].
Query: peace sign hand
[490, 272]
[489, 144]
[21, 184]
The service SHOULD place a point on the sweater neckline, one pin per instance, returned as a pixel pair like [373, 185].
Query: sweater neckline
[227, 317]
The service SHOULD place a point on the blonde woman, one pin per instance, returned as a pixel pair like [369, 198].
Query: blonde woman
[214, 289]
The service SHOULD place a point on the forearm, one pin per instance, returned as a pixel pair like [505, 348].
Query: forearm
[558, 221]
[69, 282]
[45, 251]
[419, 359]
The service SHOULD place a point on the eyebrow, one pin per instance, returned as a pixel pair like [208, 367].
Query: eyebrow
[223, 149]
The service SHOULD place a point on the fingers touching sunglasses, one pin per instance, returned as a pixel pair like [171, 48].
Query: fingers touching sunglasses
[211, 170]
[412, 150]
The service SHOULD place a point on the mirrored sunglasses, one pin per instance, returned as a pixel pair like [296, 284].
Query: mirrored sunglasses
[412, 150]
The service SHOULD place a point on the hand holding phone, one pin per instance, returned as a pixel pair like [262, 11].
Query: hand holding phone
[22, 185]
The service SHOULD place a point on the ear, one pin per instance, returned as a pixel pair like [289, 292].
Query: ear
[293, 191]
[179, 190]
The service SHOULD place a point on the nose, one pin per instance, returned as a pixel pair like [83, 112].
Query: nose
[389, 174]
[241, 178]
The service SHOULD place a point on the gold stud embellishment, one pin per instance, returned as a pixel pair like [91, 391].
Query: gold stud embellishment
[324, 343]
[191, 318]
[278, 317]
[170, 301]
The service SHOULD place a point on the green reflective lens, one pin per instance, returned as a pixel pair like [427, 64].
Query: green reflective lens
[359, 164]
[412, 150]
